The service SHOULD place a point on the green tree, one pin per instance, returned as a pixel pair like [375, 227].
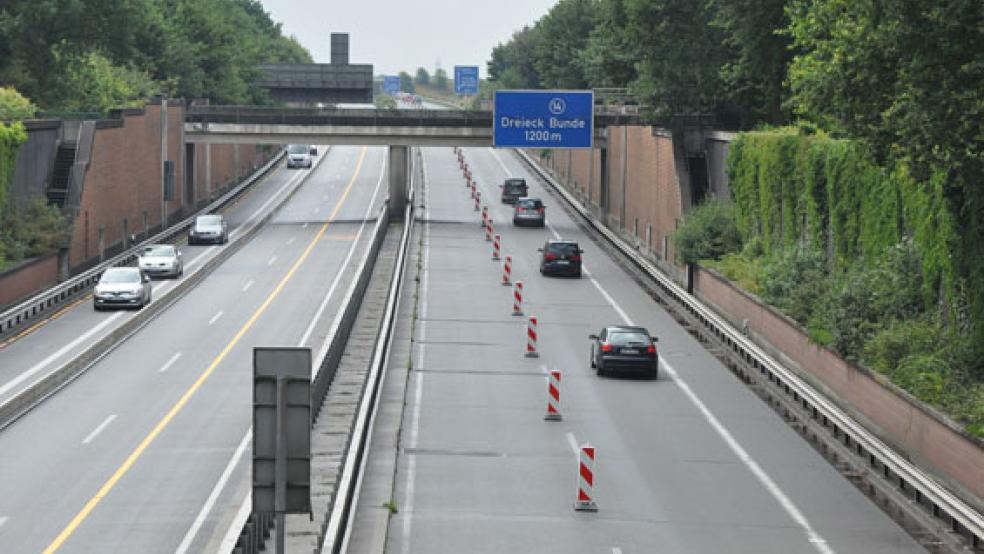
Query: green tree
[406, 82]
[14, 106]
[422, 78]
[511, 64]
[609, 58]
[92, 83]
[709, 232]
[563, 34]
[441, 79]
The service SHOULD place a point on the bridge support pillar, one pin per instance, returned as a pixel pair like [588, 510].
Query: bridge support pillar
[399, 180]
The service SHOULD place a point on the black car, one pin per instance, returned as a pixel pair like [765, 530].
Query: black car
[625, 349]
[513, 189]
[560, 257]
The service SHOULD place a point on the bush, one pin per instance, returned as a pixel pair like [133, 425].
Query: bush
[885, 350]
[14, 106]
[795, 280]
[708, 233]
[923, 376]
[739, 268]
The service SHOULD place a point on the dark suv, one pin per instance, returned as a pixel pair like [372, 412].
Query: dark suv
[513, 189]
[560, 257]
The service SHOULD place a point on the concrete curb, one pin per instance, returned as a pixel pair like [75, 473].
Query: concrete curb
[23, 402]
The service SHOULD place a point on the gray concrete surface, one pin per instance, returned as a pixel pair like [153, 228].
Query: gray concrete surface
[692, 462]
[57, 457]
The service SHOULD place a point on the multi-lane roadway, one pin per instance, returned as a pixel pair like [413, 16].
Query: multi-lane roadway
[691, 462]
[144, 452]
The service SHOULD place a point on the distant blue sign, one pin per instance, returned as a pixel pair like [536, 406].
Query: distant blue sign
[543, 119]
[466, 79]
[391, 84]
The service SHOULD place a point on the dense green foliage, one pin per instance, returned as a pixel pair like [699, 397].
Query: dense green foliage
[710, 232]
[406, 82]
[441, 81]
[96, 54]
[14, 106]
[422, 77]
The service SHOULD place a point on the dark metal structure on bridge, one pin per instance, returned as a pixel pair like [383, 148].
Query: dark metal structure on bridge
[325, 83]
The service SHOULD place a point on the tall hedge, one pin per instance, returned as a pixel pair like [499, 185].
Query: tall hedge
[11, 137]
[792, 187]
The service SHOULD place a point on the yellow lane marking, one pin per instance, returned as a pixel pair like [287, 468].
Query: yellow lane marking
[62, 311]
[339, 237]
[163, 423]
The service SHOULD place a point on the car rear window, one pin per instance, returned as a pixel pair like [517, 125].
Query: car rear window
[514, 186]
[529, 203]
[620, 339]
[565, 248]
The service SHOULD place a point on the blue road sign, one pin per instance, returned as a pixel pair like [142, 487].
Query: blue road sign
[391, 84]
[543, 119]
[466, 79]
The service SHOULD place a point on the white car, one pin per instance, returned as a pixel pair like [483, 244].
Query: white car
[300, 155]
[161, 260]
[125, 287]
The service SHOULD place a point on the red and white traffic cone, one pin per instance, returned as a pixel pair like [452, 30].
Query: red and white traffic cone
[507, 271]
[518, 298]
[478, 200]
[531, 339]
[585, 480]
[474, 188]
[488, 230]
[553, 397]
[496, 248]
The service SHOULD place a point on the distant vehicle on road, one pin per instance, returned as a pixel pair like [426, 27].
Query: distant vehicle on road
[126, 287]
[161, 260]
[560, 257]
[208, 228]
[530, 211]
[300, 155]
[625, 349]
[513, 189]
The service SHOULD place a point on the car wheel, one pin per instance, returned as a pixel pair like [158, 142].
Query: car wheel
[97, 307]
[577, 274]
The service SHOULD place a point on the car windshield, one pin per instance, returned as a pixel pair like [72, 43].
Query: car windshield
[620, 338]
[158, 250]
[209, 221]
[565, 248]
[529, 203]
[297, 149]
[515, 187]
[120, 275]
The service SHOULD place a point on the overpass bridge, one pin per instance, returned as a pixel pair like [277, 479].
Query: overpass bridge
[397, 129]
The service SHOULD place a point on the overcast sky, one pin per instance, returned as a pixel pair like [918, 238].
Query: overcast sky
[407, 34]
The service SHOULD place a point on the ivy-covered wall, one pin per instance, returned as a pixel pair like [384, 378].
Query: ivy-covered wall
[11, 137]
[792, 187]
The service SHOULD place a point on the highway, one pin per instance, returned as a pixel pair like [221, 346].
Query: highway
[692, 462]
[143, 453]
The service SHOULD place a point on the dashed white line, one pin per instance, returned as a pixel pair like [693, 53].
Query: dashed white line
[215, 317]
[616, 550]
[272, 260]
[167, 365]
[305, 226]
[99, 429]
[572, 442]
[290, 241]
[3, 520]
[248, 284]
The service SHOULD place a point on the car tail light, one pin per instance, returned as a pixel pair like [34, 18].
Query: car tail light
[575, 258]
[550, 256]
[606, 347]
[651, 349]
[540, 210]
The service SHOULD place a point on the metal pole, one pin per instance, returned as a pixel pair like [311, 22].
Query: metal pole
[625, 168]
[280, 465]
[163, 161]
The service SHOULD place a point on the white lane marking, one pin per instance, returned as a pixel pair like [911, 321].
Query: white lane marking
[95, 432]
[167, 365]
[348, 257]
[305, 226]
[272, 260]
[290, 241]
[315, 210]
[572, 441]
[200, 255]
[418, 391]
[215, 317]
[214, 495]
[9, 385]
[3, 520]
[248, 284]
[616, 550]
[814, 538]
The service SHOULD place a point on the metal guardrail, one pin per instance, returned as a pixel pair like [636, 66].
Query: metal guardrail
[12, 319]
[941, 503]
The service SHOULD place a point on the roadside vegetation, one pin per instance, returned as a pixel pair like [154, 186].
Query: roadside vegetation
[858, 184]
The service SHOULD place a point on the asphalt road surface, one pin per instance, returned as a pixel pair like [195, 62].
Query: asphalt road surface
[693, 462]
[144, 452]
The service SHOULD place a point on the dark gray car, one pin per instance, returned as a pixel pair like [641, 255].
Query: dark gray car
[208, 229]
[513, 189]
[530, 211]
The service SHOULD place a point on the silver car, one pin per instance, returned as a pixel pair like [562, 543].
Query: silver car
[529, 211]
[300, 155]
[126, 287]
[161, 260]
[208, 228]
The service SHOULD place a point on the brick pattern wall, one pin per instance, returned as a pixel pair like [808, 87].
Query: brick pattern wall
[901, 422]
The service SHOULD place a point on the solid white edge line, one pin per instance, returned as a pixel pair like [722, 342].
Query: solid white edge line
[167, 365]
[231, 536]
[215, 317]
[95, 432]
[214, 495]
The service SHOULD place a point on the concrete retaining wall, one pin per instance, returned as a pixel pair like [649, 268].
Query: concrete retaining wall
[27, 278]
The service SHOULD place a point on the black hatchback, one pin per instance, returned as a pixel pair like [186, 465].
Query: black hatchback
[560, 257]
[625, 349]
[513, 189]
